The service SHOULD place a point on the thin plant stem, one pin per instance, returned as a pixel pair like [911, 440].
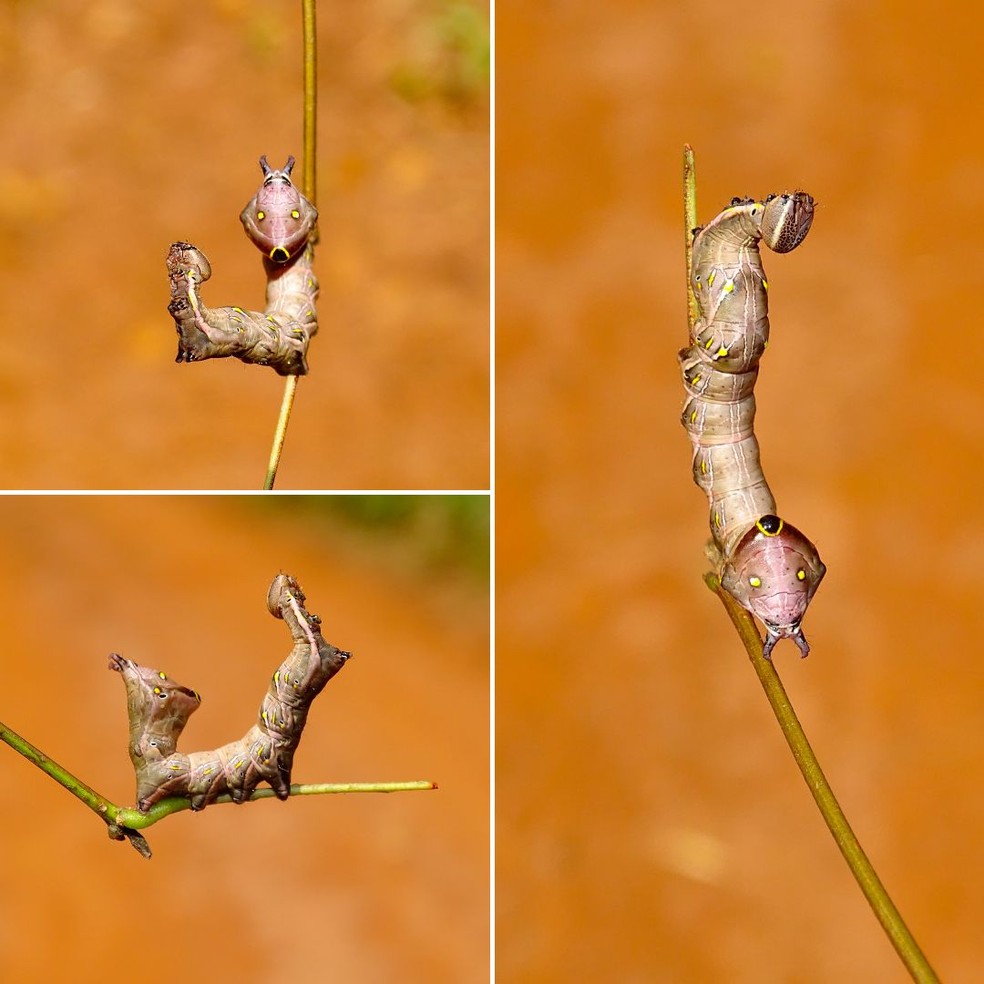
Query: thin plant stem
[833, 816]
[689, 224]
[286, 404]
[124, 822]
[309, 187]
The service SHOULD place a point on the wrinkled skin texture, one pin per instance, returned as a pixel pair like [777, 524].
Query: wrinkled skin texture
[767, 565]
[158, 710]
[279, 221]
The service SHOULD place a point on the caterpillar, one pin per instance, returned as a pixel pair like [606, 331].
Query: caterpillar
[279, 221]
[765, 563]
[158, 709]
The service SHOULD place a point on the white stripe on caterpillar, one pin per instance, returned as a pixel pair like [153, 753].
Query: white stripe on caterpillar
[766, 564]
[279, 221]
[158, 710]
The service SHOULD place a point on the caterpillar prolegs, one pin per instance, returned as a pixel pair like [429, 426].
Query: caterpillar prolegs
[279, 220]
[158, 710]
[765, 563]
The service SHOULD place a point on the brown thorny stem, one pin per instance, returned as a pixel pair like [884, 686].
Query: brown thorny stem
[310, 156]
[126, 822]
[885, 911]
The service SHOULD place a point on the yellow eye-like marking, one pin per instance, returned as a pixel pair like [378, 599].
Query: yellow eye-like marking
[261, 215]
[295, 214]
[771, 529]
[755, 582]
[722, 351]
[162, 674]
[729, 286]
[801, 575]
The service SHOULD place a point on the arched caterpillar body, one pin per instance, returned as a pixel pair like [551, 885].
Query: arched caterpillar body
[158, 710]
[766, 564]
[279, 220]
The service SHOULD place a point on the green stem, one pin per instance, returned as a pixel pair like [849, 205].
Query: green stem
[286, 404]
[124, 821]
[309, 187]
[689, 224]
[833, 816]
[135, 820]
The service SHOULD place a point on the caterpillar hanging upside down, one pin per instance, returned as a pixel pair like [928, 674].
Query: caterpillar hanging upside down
[280, 222]
[158, 709]
[765, 563]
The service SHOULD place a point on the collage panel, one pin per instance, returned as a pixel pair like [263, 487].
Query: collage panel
[135, 138]
[652, 824]
[390, 593]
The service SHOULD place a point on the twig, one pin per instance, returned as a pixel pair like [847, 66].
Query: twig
[310, 157]
[689, 224]
[124, 822]
[286, 404]
[833, 816]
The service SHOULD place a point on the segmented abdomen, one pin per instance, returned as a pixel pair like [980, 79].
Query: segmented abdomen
[768, 565]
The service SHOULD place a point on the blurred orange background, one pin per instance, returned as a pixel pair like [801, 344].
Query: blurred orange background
[651, 825]
[345, 887]
[128, 126]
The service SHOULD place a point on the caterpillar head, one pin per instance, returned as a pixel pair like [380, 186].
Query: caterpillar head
[786, 220]
[279, 219]
[158, 709]
[774, 571]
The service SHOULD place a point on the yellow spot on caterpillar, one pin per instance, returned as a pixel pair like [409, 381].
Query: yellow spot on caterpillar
[294, 214]
[261, 215]
[722, 351]
[765, 283]
[703, 467]
[174, 767]
[238, 764]
[207, 771]
[801, 575]
[265, 718]
[729, 286]
[755, 582]
[157, 690]
[710, 279]
[162, 674]
[271, 319]
[693, 417]
[717, 520]
[239, 310]
[696, 379]
[709, 343]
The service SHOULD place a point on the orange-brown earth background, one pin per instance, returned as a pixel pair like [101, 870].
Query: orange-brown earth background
[344, 888]
[127, 126]
[651, 824]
